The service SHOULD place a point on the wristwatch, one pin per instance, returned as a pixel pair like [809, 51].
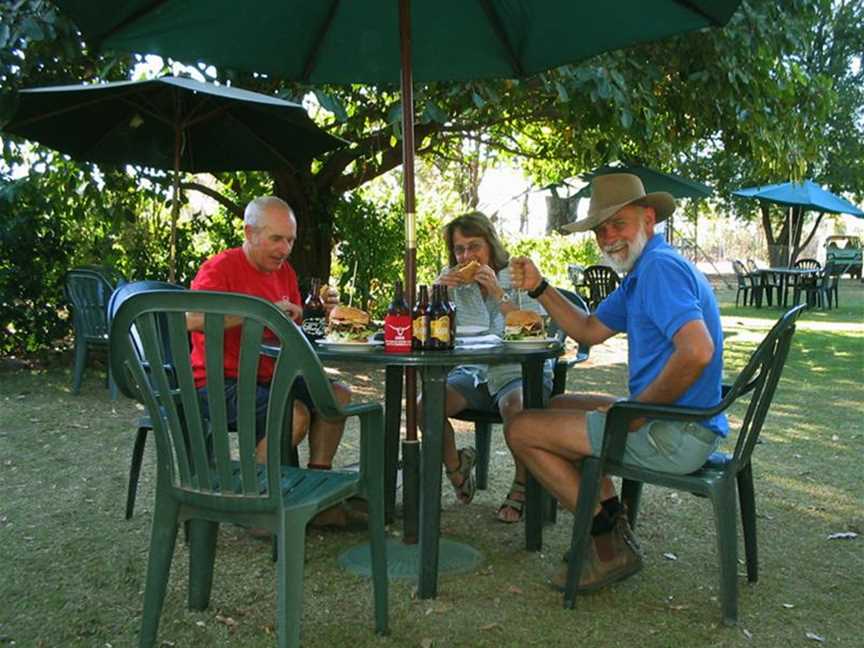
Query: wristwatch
[505, 298]
[539, 290]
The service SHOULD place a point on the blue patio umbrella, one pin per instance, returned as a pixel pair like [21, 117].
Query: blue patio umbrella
[807, 195]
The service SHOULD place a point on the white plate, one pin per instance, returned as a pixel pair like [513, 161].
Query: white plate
[530, 343]
[351, 346]
[469, 329]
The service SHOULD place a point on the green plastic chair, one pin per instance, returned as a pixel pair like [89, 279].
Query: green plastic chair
[88, 290]
[127, 388]
[719, 479]
[200, 479]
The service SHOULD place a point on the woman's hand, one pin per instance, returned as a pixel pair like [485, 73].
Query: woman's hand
[330, 296]
[488, 281]
[450, 278]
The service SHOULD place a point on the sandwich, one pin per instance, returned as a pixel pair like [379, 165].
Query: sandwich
[347, 324]
[467, 271]
[523, 325]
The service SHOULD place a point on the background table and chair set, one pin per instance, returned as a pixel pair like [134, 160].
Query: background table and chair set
[207, 473]
[818, 285]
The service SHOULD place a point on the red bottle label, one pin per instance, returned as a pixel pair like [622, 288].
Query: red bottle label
[397, 333]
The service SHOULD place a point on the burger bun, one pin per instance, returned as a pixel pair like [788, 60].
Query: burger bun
[467, 271]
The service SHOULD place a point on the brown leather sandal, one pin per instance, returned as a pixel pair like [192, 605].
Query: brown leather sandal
[518, 505]
[467, 487]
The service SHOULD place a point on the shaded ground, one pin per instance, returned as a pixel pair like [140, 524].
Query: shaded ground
[72, 568]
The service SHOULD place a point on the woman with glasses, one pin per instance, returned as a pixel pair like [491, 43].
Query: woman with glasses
[482, 303]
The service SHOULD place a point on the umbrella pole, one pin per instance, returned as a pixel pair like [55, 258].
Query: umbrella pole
[410, 446]
[175, 209]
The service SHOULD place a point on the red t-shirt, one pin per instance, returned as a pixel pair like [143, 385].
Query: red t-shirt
[231, 271]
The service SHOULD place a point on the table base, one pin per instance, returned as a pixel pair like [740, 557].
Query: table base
[403, 560]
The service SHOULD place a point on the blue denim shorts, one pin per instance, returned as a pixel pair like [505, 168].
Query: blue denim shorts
[667, 446]
[262, 397]
[478, 397]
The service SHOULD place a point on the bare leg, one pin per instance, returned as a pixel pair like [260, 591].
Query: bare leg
[551, 443]
[300, 425]
[324, 435]
[509, 406]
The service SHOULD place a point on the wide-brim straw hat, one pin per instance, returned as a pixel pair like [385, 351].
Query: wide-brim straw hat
[612, 191]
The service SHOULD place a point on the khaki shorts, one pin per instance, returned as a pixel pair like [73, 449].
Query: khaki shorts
[666, 446]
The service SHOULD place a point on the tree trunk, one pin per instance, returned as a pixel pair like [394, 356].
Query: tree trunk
[560, 212]
[311, 255]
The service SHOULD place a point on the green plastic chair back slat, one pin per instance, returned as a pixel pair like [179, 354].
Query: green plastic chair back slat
[724, 479]
[207, 471]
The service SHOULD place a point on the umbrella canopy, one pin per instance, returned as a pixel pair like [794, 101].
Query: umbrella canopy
[359, 41]
[213, 128]
[170, 123]
[807, 195]
[678, 186]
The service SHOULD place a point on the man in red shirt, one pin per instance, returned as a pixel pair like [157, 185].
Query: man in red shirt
[260, 268]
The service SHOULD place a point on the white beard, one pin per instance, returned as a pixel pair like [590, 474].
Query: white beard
[631, 250]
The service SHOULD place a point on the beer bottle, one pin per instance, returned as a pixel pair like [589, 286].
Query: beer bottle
[420, 320]
[314, 315]
[398, 324]
[439, 321]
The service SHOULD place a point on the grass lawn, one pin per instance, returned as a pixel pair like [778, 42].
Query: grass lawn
[72, 569]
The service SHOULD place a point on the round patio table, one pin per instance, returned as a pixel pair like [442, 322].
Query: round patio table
[433, 367]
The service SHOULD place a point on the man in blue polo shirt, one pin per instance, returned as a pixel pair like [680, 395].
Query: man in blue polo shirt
[675, 356]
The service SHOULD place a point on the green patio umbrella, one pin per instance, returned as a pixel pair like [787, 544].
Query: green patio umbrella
[678, 186]
[169, 123]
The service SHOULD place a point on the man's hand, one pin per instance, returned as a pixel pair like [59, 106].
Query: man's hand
[330, 296]
[290, 309]
[524, 274]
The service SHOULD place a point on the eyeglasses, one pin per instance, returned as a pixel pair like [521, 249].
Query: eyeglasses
[473, 248]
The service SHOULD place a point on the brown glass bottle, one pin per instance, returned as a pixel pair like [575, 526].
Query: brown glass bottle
[439, 321]
[314, 315]
[398, 324]
[420, 320]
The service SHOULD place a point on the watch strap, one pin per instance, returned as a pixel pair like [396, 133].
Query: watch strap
[539, 290]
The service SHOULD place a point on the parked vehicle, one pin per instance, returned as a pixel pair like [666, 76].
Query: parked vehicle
[844, 250]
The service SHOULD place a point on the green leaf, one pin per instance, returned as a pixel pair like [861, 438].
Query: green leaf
[562, 92]
[478, 100]
[32, 29]
[332, 104]
[394, 115]
[433, 112]
[626, 118]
